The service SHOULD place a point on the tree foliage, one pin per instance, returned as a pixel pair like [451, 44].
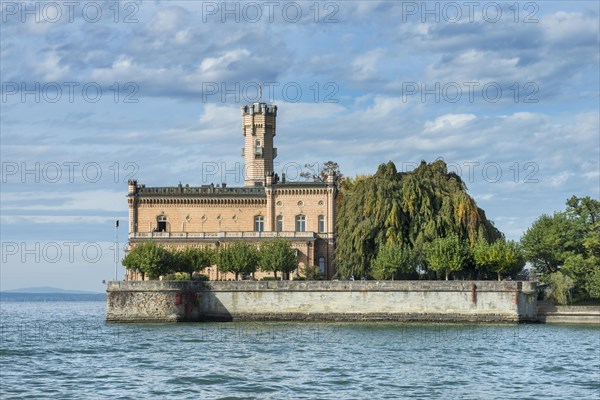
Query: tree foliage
[277, 255]
[501, 257]
[447, 254]
[390, 259]
[407, 208]
[547, 241]
[191, 259]
[238, 257]
[568, 242]
[149, 258]
[559, 286]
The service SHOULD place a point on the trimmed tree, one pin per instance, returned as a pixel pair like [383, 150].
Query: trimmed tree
[447, 254]
[192, 259]
[391, 258]
[277, 255]
[149, 258]
[239, 258]
[501, 257]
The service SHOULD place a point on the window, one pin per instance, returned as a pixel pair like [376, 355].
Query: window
[322, 265]
[300, 223]
[280, 223]
[259, 223]
[258, 143]
[162, 223]
[321, 224]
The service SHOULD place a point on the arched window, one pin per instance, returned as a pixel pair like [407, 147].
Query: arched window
[259, 223]
[300, 223]
[322, 265]
[321, 224]
[161, 223]
[280, 223]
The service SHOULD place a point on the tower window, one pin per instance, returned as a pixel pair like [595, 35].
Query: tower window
[259, 223]
[300, 223]
[280, 223]
[321, 224]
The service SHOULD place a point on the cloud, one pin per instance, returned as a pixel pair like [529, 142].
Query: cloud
[76, 200]
[449, 122]
[365, 66]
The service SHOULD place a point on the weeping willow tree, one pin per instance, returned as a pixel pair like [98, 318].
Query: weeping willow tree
[408, 208]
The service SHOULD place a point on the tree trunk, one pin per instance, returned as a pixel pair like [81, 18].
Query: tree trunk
[499, 277]
[446, 275]
[191, 275]
[275, 273]
[236, 276]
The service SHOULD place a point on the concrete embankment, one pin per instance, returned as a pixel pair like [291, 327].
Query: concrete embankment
[423, 301]
[550, 313]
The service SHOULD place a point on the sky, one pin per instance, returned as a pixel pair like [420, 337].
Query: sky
[95, 93]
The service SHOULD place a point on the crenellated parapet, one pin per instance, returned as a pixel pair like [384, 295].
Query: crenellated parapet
[259, 108]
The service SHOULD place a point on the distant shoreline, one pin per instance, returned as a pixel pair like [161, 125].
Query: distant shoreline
[24, 296]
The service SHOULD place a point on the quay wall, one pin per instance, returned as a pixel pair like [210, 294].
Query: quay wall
[554, 314]
[410, 301]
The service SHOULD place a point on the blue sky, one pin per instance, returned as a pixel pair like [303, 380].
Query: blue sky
[94, 93]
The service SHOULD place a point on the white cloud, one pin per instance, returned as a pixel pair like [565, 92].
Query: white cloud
[51, 69]
[365, 66]
[560, 179]
[449, 122]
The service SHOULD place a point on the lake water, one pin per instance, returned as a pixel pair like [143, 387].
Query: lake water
[64, 350]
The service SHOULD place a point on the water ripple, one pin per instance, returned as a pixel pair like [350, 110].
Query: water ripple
[65, 350]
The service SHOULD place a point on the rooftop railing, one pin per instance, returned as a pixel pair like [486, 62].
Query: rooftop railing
[220, 235]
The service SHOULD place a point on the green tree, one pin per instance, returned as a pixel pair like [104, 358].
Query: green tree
[447, 254]
[390, 259]
[501, 257]
[239, 258]
[312, 273]
[559, 286]
[409, 208]
[150, 258]
[568, 242]
[277, 255]
[192, 259]
[548, 239]
[592, 283]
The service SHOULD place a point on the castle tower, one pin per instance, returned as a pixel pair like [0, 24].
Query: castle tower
[258, 128]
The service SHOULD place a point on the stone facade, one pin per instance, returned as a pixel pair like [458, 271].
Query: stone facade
[265, 208]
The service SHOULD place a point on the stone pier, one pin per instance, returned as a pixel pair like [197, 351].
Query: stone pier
[410, 301]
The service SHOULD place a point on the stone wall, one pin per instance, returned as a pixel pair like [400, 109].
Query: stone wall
[551, 313]
[440, 301]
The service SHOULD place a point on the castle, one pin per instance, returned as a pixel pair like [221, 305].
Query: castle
[266, 207]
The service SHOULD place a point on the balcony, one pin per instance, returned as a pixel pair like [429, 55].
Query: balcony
[274, 152]
[258, 151]
[221, 235]
[243, 152]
